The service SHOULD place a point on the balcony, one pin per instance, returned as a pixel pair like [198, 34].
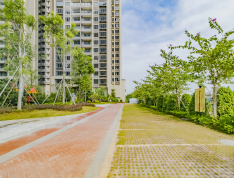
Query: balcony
[44, 82]
[59, 3]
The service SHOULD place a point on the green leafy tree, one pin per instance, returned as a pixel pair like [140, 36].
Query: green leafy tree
[61, 39]
[213, 60]
[82, 68]
[225, 101]
[185, 101]
[17, 32]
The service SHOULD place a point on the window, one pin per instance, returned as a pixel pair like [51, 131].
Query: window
[113, 67]
[95, 50]
[95, 57]
[86, 42]
[95, 65]
[76, 18]
[86, 19]
[102, 81]
[103, 57]
[59, 73]
[116, 55]
[116, 37]
[102, 50]
[95, 42]
[113, 49]
[59, 65]
[95, 81]
[117, 43]
[113, 73]
[102, 42]
[116, 73]
[95, 19]
[95, 34]
[102, 65]
[95, 11]
[102, 34]
[96, 73]
[87, 35]
[113, 43]
[116, 67]
[59, 11]
[77, 42]
[68, 73]
[113, 79]
[102, 3]
[117, 61]
[116, 31]
[102, 73]
[86, 27]
[117, 8]
[95, 27]
[117, 19]
[67, 3]
[87, 51]
[102, 26]
[103, 11]
[102, 18]
[116, 25]
[67, 12]
[116, 49]
[67, 19]
[68, 58]
[117, 79]
[117, 13]
[68, 66]
[76, 11]
[67, 26]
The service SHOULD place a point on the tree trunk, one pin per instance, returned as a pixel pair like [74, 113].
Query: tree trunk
[21, 86]
[64, 87]
[85, 96]
[178, 98]
[214, 100]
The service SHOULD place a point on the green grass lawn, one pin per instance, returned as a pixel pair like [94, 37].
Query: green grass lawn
[153, 144]
[43, 113]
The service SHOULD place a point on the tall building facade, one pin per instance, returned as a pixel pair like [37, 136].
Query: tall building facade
[99, 26]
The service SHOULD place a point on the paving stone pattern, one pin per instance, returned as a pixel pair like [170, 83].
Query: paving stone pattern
[156, 145]
[68, 154]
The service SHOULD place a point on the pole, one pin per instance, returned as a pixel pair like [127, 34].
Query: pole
[70, 93]
[8, 82]
[51, 93]
[30, 96]
[57, 95]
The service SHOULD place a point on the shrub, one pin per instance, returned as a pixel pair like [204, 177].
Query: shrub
[96, 101]
[89, 101]
[160, 102]
[226, 123]
[171, 102]
[225, 101]
[186, 99]
[121, 100]
[192, 105]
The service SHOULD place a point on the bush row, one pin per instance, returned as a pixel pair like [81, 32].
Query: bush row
[76, 107]
[225, 123]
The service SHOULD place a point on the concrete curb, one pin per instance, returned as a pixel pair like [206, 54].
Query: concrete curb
[101, 163]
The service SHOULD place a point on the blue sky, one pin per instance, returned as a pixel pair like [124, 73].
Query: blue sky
[151, 25]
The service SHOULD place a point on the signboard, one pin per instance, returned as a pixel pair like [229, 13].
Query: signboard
[202, 100]
[197, 108]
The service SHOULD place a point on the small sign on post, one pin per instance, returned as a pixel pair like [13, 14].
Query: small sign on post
[200, 100]
[197, 107]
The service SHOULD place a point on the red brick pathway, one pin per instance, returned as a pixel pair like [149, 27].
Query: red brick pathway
[68, 154]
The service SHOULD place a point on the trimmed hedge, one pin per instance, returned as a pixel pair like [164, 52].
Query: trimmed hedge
[76, 107]
[186, 99]
[225, 101]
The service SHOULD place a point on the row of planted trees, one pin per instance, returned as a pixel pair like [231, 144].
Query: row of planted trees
[16, 33]
[211, 60]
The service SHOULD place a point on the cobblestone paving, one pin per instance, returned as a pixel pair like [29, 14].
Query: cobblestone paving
[68, 154]
[151, 144]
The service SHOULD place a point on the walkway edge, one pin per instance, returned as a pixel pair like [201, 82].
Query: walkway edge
[24, 148]
[101, 163]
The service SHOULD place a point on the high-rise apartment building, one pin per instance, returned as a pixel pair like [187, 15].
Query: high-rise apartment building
[99, 26]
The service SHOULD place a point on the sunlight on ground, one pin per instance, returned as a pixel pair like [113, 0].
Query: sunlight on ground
[44, 113]
[152, 144]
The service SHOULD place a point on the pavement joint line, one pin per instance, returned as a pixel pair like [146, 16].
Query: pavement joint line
[148, 145]
[28, 146]
[97, 163]
[42, 127]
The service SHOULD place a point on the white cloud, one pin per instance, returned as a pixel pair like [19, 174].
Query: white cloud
[147, 27]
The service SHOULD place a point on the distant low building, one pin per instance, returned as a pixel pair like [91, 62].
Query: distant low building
[133, 101]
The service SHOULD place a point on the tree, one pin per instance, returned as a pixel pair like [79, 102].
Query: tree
[17, 32]
[213, 61]
[61, 39]
[82, 68]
